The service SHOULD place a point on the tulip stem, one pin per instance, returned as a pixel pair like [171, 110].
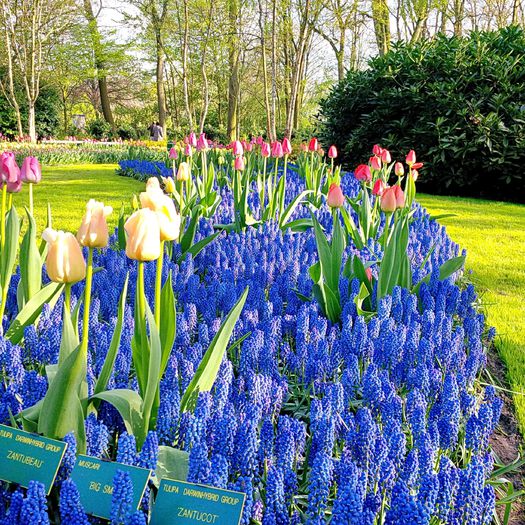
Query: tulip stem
[141, 298]
[158, 284]
[263, 198]
[2, 309]
[2, 225]
[67, 297]
[87, 303]
[31, 198]
[10, 204]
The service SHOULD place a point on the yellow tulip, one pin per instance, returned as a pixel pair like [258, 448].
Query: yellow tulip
[169, 220]
[93, 231]
[169, 184]
[183, 173]
[143, 236]
[65, 262]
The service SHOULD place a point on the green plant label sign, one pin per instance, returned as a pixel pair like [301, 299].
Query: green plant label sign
[25, 457]
[181, 503]
[94, 480]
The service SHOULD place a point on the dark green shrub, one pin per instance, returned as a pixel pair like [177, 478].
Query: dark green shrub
[99, 129]
[460, 103]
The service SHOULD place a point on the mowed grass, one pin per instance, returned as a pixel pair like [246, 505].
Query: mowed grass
[494, 235]
[68, 188]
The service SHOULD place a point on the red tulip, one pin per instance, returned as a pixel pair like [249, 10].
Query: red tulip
[377, 150]
[379, 187]
[332, 152]
[277, 150]
[417, 165]
[335, 198]
[399, 169]
[375, 162]
[386, 157]
[313, 145]
[362, 172]
[287, 147]
[265, 150]
[411, 157]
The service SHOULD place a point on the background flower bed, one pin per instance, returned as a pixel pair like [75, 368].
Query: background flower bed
[317, 418]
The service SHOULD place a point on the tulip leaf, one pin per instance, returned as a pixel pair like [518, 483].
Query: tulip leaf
[30, 262]
[447, 269]
[208, 369]
[288, 212]
[168, 322]
[121, 231]
[111, 356]
[31, 311]
[69, 340]
[199, 246]
[299, 225]
[128, 404]
[61, 410]
[189, 235]
[9, 251]
[172, 464]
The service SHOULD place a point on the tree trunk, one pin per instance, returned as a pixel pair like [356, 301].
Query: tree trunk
[161, 95]
[273, 113]
[12, 95]
[381, 18]
[96, 42]
[185, 51]
[233, 83]
[31, 121]
[265, 71]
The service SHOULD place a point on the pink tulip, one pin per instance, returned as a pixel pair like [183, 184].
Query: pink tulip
[332, 152]
[192, 140]
[400, 196]
[239, 163]
[362, 172]
[173, 154]
[202, 142]
[277, 150]
[375, 163]
[379, 187]
[9, 170]
[188, 150]
[399, 169]
[388, 200]
[237, 148]
[31, 171]
[249, 146]
[287, 147]
[304, 146]
[386, 157]
[417, 165]
[415, 174]
[265, 150]
[259, 140]
[377, 150]
[368, 272]
[411, 157]
[335, 198]
[313, 145]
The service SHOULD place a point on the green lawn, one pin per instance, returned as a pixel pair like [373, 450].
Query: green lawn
[492, 232]
[494, 235]
[68, 188]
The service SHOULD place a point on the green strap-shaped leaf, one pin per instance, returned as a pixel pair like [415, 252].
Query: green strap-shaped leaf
[288, 212]
[31, 311]
[168, 322]
[30, 262]
[199, 246]
[447, 269]
[206, 373]
[121, 231]
[189, 235]
[111, 356]
[10, 249]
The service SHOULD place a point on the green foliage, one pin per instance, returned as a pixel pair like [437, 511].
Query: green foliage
[99, 129]
[459, 102]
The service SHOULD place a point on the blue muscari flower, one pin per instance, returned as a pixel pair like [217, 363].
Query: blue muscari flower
[69, 459]
[319, 485]
[199, 464]
[34, 507]
[469, 502]
[122, 498]
[97, 436]
[15, 508]
[348, 505]
[149, 453]
[246, 445]
[275, 512]
[405, 509]
[137, 518]
[218, 476]
[71, 510]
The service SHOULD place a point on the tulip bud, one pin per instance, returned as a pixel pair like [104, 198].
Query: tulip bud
[320, 152]
[237, 148]
[368, 272]
[377, 150]
[265, 149]
[332, 152]
[183, 173]
[304, 146]
[287, 147]
[152, 184]
[277, 150]
[169, 184]
[259, 140]
[167, 216]
[399, 169]
[31, 171]
[313, 145]
[379, 187]
[239, 163]
[388, 200]
[188, 150]
[64, 262]
[417, 165]
[93, 231]
[375, 163]
[192, 140]
[400, 196]
[202, 143]
[415, 174]
[248, 147]
[10, 172]
[411, 158]
[335, 198]
[386, 157]
[143, 236]
[362, 172]
[220, 160]
[173, 154]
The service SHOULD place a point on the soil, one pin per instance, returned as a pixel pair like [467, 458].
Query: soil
[507, 442]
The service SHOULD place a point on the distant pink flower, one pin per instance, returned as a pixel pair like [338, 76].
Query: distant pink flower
[335, 198]
[173, 153]
[265, 149]
[377, 150]
[375, 163]
[237, 148]
[188, 150]
[192, 140]
[239, 163]
[362, 172]
[379, 187]
[313, 145]
[287, 147]
[277, 150]
[202, 142]
[332, 152]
